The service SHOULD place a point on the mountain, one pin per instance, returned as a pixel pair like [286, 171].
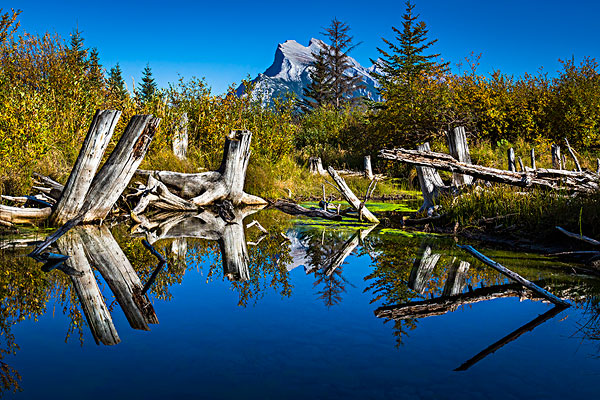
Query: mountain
[290, 73]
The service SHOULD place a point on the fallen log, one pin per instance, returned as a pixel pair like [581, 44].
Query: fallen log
[292, 208]
[579, 237]
[546, 178]
[514, 276]
[351, 197]
[158, 195]
[15, 215]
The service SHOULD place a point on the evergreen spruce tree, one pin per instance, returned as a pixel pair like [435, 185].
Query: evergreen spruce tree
[318, 93]
[95, 69]
[116, 84]
[338, 61]
[76, 51]
[411, 85]
[148, 88]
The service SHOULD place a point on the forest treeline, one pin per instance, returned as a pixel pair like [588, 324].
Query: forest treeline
[50, 89]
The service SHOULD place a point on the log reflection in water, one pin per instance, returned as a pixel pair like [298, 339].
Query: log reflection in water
[443, 305]
[422, 269]
[88, 292]
[513, 336]
[106, 255]
[210, 226]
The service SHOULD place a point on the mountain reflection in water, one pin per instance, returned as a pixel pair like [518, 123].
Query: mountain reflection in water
[407, 279]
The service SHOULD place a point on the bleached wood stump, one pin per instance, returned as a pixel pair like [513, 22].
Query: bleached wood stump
[226, 183]
[459, 149]
[315, 166]
[430, 181]
[368, 170]
[180, 138]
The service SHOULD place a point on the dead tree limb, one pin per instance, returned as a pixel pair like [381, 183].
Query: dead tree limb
[351, 197]
[572, 153]
[292, 208]
[579, 237]
[514, 276]
[545, 178]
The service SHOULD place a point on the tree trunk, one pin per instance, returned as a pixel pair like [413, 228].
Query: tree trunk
[180, 138]
[368, 171]
[430, 181]
[115, 174]
[512, 166]
[351, 197]
[459, 149]
[74, 194]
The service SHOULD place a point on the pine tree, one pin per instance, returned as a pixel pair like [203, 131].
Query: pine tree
[319, 92]
[76, 51]
[412, 87]
[406, 60]
[338, 61]
[95, 69]
[116, 84]
[148, 88]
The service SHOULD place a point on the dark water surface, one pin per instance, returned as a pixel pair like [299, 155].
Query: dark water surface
[297, 324]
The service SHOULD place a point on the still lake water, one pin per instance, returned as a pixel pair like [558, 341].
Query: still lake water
[302, 321]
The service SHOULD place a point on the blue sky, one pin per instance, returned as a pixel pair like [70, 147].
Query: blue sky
[224, 41]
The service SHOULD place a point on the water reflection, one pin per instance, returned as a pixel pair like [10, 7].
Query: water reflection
[408, 278]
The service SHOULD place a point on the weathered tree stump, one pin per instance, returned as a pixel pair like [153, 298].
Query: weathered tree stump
[180, 138]
[430, 181]
[459, 149]
[532, 156]
[227, 183]
[368, 170]
[556, 159]
[115, 174]
[512, 165]
[315, 165]
[74, 194]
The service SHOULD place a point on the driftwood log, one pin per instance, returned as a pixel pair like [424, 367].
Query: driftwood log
[516, 277]
[351, 197]
[292, 208]
[546, 178]
[227, 183]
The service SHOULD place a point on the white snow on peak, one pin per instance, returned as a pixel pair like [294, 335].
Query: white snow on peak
[290, 72]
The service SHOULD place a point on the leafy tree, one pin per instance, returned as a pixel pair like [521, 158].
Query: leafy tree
[116, 84]
[148, 88]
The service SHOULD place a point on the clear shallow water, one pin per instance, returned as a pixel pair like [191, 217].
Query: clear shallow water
[293, 334]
